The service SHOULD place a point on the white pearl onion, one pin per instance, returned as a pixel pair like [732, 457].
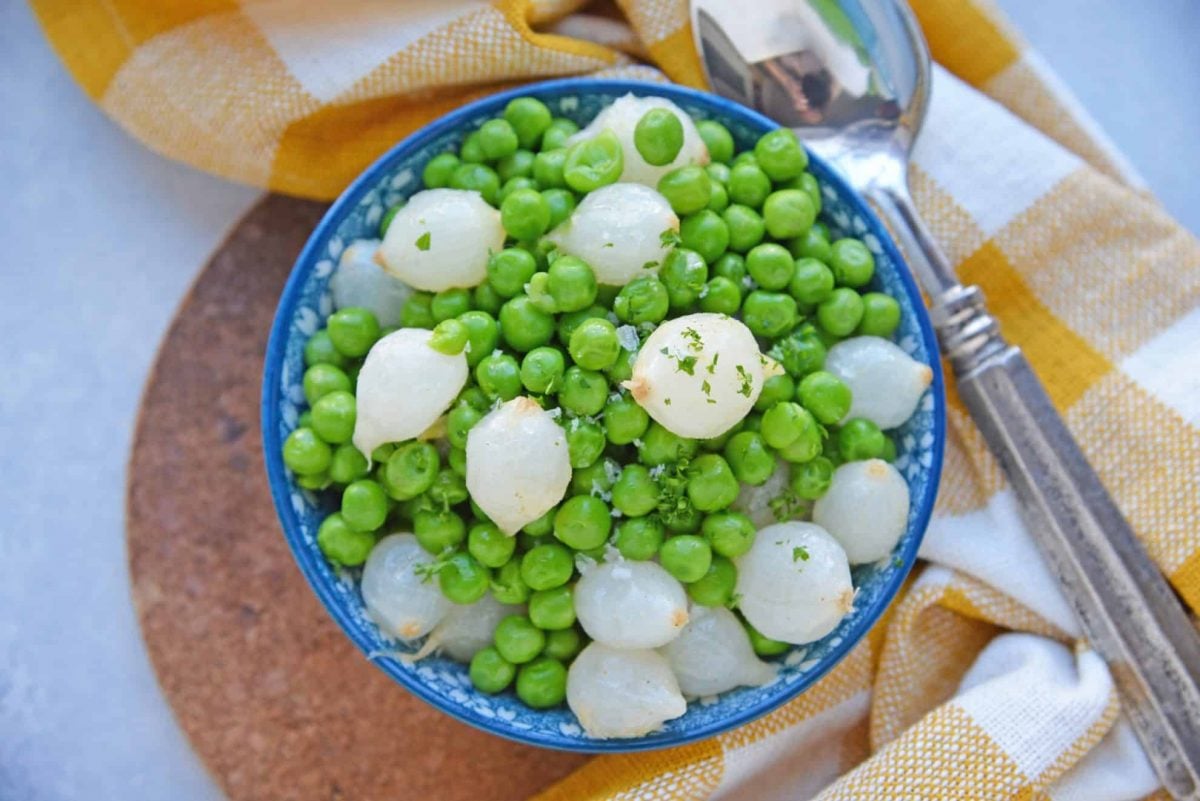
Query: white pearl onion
[442, 239]
[713, 654]
[885, 382]
[622, 693]
[630, 604]
[621, 117]
[865, 509]
[360, 281]
[403, 387]
[518, 466]
[402, 602]
[469, 628]
[794, 582]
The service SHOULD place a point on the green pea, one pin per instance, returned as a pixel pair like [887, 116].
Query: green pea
[721, 296]
[688, 189]
[810, 480]
[438, 170]
[509, 270]
[525, 214]
[450, 303]
[471, 151]
[622, 369]
[801, 353]
[684, 275]
[731, 266]
[561, 203]
[770, 265]
[490, 546]
[841, 312]
[305, 419]
[780, 154]
[745, 157]
[523, 325]
[563, 644]
[582, 522]
[812, 244]
[812, 282]
[364, 505]
[567, 323]
[548, 168]
[499, 376]
[775, 389]
[457, 459]
[639, 537]
[353, 331]
[437, 530]
[686, 557]
[596, 478]
[715, 587]
[417, 312]
[807, 443]
[542, 684]
[881, 315]
[490, 672]
[306, 454]
[529, 118]
[459, 422]
[384, 452]
[706, 233]
[518, 640]
[512, 185]
[634, 492]
[748, 185]
[585, 442]
[449, 337]
[584, 392]
[594, 162]
[557, 134]
[769, 314]
[570, 283]
[448, 488]
[746, 227]
[825, 395]
[888, 454]
[730, 534]
[518, 165]
[660, 446]
[320, 350]
[788, 213]
[642, 300]
[542, 370]
[749, 458]
[683, 518]
[544, 567]
[852, 263]
[624, 420]
[719, 200]
[765, 646]
[718, 172]
[333, 417]
[498, 139]
[462, 579]
[552, 610]
[477, 178]
[507, 585]
[341, 544]
[782, 423]
[658, 136]
[347, 464]
[483, 334]
[859, 439]
[717, 139]
[711, 483]
[594, 345]
[412, 469]
[811, 187]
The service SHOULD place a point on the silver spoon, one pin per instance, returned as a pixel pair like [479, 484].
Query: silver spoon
[852, 78]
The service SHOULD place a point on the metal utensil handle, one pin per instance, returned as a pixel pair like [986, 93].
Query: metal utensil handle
[1123, 603]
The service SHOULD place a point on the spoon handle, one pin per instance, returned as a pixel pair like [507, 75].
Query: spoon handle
[1124, 605]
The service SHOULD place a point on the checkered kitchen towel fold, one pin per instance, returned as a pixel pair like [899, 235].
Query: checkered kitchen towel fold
[976, 685]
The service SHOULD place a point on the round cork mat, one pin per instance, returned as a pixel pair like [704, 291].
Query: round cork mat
[275, 700]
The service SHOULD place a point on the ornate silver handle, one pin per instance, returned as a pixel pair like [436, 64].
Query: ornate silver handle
[1123, 603]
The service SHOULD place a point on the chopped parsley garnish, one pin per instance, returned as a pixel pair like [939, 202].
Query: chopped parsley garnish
[607, 245]
[669, 238]
[650, 265]
[422, 242]
[747, 386]
[800, 554]
[686, 364]
[706, 387]
[693, 338]
[666, 401]
[712, 366]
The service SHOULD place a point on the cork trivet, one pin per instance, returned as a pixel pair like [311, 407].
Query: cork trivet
[275, 700]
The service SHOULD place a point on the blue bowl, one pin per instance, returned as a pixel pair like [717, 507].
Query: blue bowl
[443, 683]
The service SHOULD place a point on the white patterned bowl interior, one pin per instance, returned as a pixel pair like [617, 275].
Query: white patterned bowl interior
[443, 683]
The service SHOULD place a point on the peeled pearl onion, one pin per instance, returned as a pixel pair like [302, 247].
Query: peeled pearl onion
[865, 509]
[621, 117]
[399, 600]
[788, 597]
[755, 502]
[517, 464]
[360, 282]
[469, 628]
[462, 230]
[676, 398]
[713, 654]
[622, 693]
[618, 230]
[630, 604]
[885, 382]
[403, 387]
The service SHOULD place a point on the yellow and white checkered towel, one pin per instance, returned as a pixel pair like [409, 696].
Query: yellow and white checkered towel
[976, 685]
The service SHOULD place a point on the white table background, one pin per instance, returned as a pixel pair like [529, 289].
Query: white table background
[103, 238]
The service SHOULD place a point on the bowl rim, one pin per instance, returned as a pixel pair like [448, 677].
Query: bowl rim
[275, 353]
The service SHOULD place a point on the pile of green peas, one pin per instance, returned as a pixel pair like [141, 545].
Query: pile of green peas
[750, 245]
